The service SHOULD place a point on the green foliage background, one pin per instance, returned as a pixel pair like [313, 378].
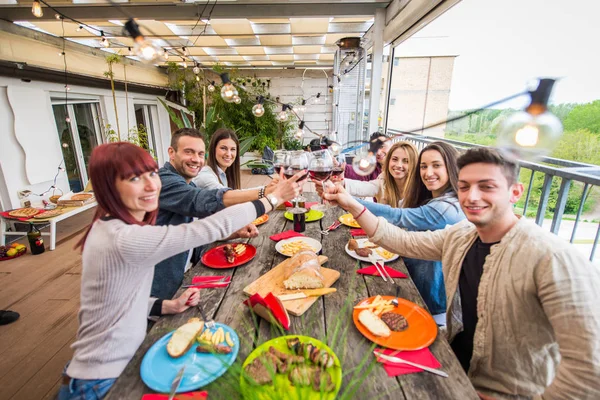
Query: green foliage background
[580, 142]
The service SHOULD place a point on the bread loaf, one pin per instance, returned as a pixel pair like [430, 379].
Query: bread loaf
[184, 337]
[374, 324]
[303, 272]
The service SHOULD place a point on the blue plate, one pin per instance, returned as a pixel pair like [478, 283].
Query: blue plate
[159, 368]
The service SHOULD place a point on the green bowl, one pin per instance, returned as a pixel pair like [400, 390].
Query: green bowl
[311, 215]
[282, 388]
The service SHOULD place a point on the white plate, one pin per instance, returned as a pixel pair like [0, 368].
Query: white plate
[315, 244]
[353, 254]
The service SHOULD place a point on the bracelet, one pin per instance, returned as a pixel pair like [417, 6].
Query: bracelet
[361, 213]
[261, 192]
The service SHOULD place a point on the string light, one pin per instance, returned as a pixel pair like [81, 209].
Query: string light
[228, 91]
[196, 69]
[58, 16]
[36, 9]
[62, 54]
[237, 99]
[67, 88]
[146, 51]
[103, 39]
[283, 115]
[302, 107]
[79, 28]
[211, 87]
[130, 51]
[185, 51]
[183, 63]
[197, 78]
[165, 54]
[318, 98]
[300, 132]
[258, 110]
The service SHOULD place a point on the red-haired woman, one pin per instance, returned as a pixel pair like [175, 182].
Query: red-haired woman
[119, 252]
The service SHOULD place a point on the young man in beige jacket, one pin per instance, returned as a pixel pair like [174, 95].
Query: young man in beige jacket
[522, 313]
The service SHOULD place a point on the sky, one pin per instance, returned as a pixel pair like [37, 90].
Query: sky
[502, 46]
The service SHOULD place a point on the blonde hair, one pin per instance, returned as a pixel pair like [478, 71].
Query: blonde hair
[390, 193]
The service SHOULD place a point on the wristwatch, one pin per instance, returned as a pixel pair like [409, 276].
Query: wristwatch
[273, 201]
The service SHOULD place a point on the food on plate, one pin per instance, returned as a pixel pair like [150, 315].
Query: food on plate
[394, 321]
[213, 348]
[369, 245]
[81, 196]
[240, 249]
[363, 252]
[303, 272]
[289, 358]
[295, 247]
[49, 213]
[24, 212]
[260, 371]
[384, 253]
[321, 381]
[228, 340]
[352, 245]
[12, 250]
[260, 220]
[184, 337]
[229, 253]
[378, 306]
[310, 352]
[373, 323]
[302, 375]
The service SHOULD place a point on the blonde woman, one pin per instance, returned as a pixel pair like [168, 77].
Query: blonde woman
[390, 187]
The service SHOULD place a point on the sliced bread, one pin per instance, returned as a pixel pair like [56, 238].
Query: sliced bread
[184, 337]
[374, 324]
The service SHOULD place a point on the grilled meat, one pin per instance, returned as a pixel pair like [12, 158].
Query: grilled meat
[301, 375]
[352, 245]
[395, 322]
[321, 381]
[211, 348]
[289, 358]
[229, 253]
[311, 352]
[363, 252]
[260, 371]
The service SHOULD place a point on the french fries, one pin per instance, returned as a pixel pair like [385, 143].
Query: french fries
[378, 306]
[291, 248]
[384, 253]
[228, 340]
[239, 249]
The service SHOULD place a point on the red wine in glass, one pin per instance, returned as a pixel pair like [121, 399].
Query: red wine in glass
[320, 174]
[337, 171]
[278, 168]
[291, 171]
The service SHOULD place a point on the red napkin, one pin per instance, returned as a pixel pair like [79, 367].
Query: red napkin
[372, 270]
[5, 214]
[357, 232]
[179, 396]
[199, 279]
[307, 204]
[423, 357]
[285, 235]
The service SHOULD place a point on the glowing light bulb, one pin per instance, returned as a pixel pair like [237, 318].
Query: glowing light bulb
[364, 163]
[211, 87]
[185, 51]
[130, 51]
[197, 78]
[282, 116]
[237, 99]
[80, 28]
[529, 136]
[317, 99]
[229, 92]
[66, 145]
[335, 148]
[196, 69]
[299, 134]
[258, 110]
[183, 64]
[165, 54]
[104, 41]
[67, 120]
[58, 16]
[36, 9]
[67, 88]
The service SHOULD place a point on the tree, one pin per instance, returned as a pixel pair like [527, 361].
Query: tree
[584, 116]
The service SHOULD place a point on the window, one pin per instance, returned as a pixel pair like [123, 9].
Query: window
[78, 136]
[145, 117]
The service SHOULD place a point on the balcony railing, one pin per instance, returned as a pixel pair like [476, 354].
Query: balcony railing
[568, 172]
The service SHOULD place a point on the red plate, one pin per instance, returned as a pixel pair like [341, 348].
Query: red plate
[215, 257]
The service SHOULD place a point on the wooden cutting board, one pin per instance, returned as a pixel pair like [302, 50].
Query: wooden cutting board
[272, 281]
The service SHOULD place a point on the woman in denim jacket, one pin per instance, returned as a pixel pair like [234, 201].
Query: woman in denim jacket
[430, 203]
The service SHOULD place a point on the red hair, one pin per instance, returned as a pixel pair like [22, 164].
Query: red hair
[109, 162]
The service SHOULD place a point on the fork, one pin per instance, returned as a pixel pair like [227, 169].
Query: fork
[381, 273]
[331, 227]
[209, 323]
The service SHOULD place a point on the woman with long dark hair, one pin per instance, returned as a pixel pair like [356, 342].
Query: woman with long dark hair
[222, 168]
[119, 251]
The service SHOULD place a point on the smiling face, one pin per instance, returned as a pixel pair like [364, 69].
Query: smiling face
[485, 195]
[139, 193]
[433, 172]
[225, 153]
[383, 150]
[188, 158]
[398, 164]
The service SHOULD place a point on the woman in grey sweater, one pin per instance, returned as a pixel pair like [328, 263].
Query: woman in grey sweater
[119, 252]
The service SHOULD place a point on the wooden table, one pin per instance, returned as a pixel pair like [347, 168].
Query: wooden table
[225, 305]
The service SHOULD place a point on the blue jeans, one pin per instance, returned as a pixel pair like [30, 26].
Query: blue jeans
[84, 389]
[429, 280]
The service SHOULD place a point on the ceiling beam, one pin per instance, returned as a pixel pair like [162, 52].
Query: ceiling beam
[188, 11]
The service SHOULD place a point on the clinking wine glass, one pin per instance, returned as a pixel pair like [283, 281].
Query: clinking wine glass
[320, 167]
[281, 160]
[298, 161]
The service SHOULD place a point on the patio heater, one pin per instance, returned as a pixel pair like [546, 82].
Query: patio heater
[349, 89]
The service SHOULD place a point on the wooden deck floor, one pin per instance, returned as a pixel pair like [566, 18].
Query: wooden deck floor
[44, 289]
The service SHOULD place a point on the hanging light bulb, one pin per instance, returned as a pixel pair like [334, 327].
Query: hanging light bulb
[197, 78]
[79, 28]
[364, 162]
[62, 54]
[185, 51]
[237, 99]
[228, 91]
[300, 132]
[103, 40]
[66, 145]
[165, 54]
[532, 133]
[67, 88]
[67, 120]
[335, 148]
[283, 115]
[183, 63]
[36, 9]
[302, 107]
[196, 69]
[318, 98]
[58, 16]
[211, 87]
[146, 51]
[130, 51]
[258, 109]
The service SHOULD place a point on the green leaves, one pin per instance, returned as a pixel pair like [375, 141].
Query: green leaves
[176, 120]
[245, 144]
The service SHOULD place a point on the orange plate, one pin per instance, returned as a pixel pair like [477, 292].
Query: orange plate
[261, 220]
[421, 331]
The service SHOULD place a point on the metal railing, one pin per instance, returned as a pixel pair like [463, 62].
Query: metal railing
[569, 172]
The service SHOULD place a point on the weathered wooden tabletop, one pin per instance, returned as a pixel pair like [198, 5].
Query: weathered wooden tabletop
[320, 321]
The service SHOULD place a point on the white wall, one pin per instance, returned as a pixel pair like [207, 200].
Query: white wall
[12, 157]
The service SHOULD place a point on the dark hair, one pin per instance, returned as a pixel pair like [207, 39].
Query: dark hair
[417, 194]
[376, 135]
[108, 163]
[486, 155]
[184, 132]
[392, 193]
[232, 173]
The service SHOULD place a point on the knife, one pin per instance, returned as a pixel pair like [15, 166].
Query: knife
[176, 383]
[306, 293]
[401, 361]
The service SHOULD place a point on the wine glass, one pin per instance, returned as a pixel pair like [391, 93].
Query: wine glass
[339, 165]
[281, 160]
[320, 167]
[298, 161]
